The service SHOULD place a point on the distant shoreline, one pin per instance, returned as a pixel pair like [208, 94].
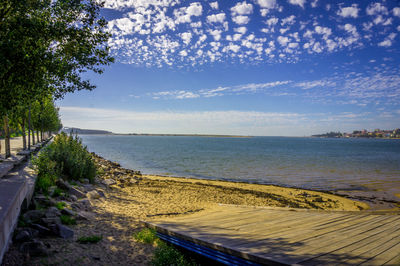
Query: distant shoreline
[181, 135]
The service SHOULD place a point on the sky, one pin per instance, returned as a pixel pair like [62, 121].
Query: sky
[254, 67]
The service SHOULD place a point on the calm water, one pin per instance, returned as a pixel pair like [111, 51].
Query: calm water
[314, 163]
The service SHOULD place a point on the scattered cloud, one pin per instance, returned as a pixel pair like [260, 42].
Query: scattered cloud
[175, 33]
[298, 2]
[351, 11]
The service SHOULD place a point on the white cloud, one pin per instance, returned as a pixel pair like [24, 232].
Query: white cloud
[189, 122]
[283, 40]
[183, 53]
[241, 30]
[216, 34]
[396, 11]
[289, 20]
[242, 8]
[298, 2]
[272, 21]
[388, 40]
[184, 14]
[214, 5]
[241, 20]
[376, 8]
[186, 37]
[351, 11]
[268, 4]
[314, 3]
[216, 18]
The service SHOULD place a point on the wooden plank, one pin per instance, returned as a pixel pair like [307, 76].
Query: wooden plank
[332, 247]
[383, 253]
[290, 236]
[358, 248]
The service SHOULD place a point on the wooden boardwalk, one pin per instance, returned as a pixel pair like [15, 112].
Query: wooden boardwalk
[276, 236]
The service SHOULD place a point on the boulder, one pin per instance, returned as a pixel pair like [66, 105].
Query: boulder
[84, 215]
[101, 193]
[65, 232]
[109, 182]
[34, 248]
[51, 220]
[69, 212]
[73, 197]
[44, 231]
[93, 195]
[76, 192]
[33, 216]
[62, 184]
[52, 212]
[23, 236]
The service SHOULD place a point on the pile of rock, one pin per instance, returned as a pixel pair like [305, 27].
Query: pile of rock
[45, 220]
[115, 175]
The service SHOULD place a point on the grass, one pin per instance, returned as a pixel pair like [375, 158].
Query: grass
[67, 220]
[60, 205]
[57, 192]
[147, 236]
[89, 239]
[164, 254]
[168, 255]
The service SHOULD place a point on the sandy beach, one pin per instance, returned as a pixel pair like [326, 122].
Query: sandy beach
[133, 198]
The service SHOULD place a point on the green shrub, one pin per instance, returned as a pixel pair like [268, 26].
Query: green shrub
[66, 157]
[168, 255]
[146, 235]
[57, 192]
[164, 254]
[67, 220]
[89, 239]
[60, 205]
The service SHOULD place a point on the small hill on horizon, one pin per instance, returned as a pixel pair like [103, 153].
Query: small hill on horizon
[76, 130]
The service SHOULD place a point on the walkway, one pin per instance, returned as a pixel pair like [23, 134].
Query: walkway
[277, 236]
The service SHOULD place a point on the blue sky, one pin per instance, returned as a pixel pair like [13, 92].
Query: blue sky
[255, 67]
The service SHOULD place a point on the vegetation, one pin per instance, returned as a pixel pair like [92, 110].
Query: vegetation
[164, 253]
[89, 239]
[67, 220]
[147, 236]
[60, 205]
[44, 47]
[65, 157]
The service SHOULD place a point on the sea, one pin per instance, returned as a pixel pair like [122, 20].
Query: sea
[355, 166]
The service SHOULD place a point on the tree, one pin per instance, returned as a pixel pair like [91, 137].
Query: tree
[45, 46]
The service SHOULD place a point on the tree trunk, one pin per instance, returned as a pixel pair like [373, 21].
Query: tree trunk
[33, 137]
[23, 132]
[29, 127]
[37, 136]
[7, 136]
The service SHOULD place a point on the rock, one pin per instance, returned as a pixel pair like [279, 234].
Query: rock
[34, 248]
[88, 187]
[41, 200]
[101, 193]
[83, 204]
[76, 192]
[62, 184]
[132, 182]
[109, 182]
[33, 216]
[83, 215]
[52, 212]
[93, 195]
[65, 232]
[23, 236]
[42, 230]
[69, 212]
[86, 181]
[73, 197]
[51, 220]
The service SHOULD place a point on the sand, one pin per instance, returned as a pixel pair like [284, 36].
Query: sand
[134, 198]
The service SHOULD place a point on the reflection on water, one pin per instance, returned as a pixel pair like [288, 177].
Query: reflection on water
[313, 163]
